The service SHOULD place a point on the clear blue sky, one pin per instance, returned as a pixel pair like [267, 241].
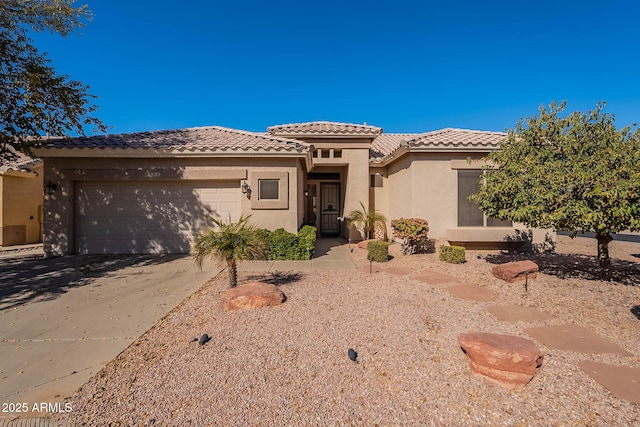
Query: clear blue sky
[406, 66]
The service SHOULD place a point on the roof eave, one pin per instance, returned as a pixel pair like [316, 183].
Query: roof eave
[405, 149]
[168, 153]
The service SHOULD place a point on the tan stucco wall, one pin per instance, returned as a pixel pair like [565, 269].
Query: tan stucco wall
[21, 195]
[379, 196]
[59, 208]
[425, 185]
[356, 185]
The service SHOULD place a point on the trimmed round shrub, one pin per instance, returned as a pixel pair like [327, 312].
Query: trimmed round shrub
[377, 251]
[452, 254]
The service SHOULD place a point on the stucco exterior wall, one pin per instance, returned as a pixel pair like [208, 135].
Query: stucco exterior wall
[356, 185]
[59, 208]
[425, 185]
[21, 195]
[435, 192]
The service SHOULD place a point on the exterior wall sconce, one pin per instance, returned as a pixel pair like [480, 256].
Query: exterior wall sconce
[306, 193]
[50, 188]
[245, 188]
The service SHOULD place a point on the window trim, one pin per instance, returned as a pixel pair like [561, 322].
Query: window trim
[282, 202]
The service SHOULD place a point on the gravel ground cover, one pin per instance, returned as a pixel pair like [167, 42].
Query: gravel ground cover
[288, 365]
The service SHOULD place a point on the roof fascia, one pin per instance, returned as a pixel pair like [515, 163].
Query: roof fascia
[151, 153]
[403, 150]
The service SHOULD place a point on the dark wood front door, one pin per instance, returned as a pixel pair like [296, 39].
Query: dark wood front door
[329, 208]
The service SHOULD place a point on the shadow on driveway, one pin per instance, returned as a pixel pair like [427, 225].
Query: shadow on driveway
[24, 280]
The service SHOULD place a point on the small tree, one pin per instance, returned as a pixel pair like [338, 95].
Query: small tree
[365, 219]
[229, 242]
[576, 173]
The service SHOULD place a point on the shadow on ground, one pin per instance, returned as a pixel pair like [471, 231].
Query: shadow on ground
[635, 310]
[277, 277]
[23, 280]
[574, 266]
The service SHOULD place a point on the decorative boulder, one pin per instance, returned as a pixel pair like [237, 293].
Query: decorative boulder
[506, 360]
[516, 270]
[254, 295]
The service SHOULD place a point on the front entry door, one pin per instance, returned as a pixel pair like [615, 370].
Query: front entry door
[329, 208]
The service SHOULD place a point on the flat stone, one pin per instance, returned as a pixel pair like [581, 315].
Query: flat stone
[516, 270]
[254, 295]
[515, 313]
[472, 292]
[435, 278]
[622, 381]
[507, 360]
[398, 271]
[574, 338]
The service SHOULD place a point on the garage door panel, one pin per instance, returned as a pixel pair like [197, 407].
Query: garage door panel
[149, 217]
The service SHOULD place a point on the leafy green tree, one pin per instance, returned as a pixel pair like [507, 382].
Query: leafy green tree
[365, 219]
[229, 242]
[34, 99]
[575, 173]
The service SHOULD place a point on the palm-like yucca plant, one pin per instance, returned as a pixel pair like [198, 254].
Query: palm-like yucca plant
[228, 242]
[365, 219]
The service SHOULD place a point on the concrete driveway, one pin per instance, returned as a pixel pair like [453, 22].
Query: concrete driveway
[63, 319]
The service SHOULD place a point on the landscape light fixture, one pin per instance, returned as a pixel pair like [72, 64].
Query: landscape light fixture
[50, 188]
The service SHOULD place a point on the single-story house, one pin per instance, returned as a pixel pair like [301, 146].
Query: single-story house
[21, 198]
[152, 192]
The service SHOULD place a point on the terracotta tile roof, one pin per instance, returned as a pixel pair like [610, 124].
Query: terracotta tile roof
[459, 138]
[388, 143]
[21, 162]
[210, 138]
[324, 129]
[384, 146]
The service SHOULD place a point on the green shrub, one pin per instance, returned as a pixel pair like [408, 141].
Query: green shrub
[452, 254]
[282, 245]
[378, 251]
[413, 232]
[307, 242]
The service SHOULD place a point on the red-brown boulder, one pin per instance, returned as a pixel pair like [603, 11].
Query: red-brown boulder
[506, 360]
[516, 270]
[254, 295]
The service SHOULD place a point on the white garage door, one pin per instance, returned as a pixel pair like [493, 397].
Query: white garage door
[142, 217]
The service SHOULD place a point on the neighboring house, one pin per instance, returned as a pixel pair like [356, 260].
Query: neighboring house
[152, 192]
[21, 194]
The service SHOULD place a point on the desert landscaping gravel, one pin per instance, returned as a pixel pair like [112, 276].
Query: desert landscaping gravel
[288, 365]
